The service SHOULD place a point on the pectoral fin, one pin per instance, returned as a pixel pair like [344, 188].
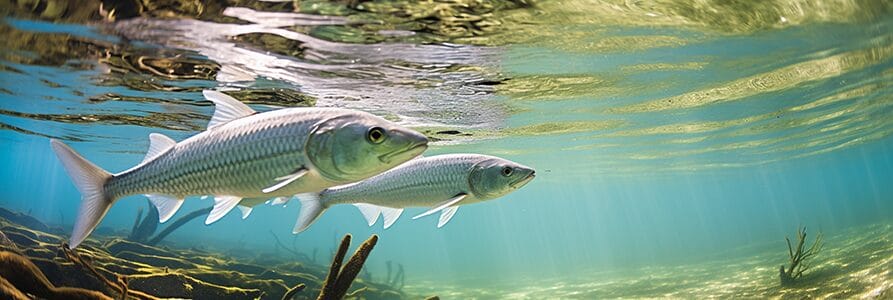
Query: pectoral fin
[443, 205]
[285, 180]
[279, 201]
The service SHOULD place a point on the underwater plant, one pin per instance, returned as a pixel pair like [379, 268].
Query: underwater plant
[799, 257]
[340, 278]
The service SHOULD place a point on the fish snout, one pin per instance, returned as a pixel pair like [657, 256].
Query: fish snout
[530, 173]
[417, 142]
[414, 143]
[416, 139]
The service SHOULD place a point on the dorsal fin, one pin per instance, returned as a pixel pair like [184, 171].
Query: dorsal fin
[158, 145]
[226, 108]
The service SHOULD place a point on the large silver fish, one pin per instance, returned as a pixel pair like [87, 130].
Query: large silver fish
[245, 155]
[443, 182]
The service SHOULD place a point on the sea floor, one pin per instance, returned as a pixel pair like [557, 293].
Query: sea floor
[35, 263]
[855, 264]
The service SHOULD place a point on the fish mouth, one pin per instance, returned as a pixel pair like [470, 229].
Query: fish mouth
[521, 182]
[414, 150]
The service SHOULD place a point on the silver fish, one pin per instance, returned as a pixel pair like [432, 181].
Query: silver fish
[443, 182]
[245, 155]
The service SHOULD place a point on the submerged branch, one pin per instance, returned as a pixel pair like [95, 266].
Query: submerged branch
[799, 258]
[119, 287]
[290, 250]
[292, 291]
[176, 224]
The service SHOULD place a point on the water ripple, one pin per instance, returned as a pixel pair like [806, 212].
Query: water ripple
[624, 87]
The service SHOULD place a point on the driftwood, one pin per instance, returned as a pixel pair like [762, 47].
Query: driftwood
[23, 277]
[144, 227]
[120, 286]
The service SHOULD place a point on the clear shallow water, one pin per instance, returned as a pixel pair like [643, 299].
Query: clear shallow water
[663, 134]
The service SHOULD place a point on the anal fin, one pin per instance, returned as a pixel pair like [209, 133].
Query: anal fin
[222, 206]
[446, 215]
[390, 215]
[370, 212]
[245, 211]
[167, 205]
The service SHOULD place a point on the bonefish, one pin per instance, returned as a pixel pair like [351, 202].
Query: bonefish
[443, 182]
[245, 155]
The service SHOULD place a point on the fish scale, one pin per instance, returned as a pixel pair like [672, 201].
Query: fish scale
[442, 182]
[244, 155]
[436, 178]
[235, 149]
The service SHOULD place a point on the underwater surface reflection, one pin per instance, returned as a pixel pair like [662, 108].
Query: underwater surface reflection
[676, 143]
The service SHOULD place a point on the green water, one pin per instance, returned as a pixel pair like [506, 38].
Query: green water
[676, 144]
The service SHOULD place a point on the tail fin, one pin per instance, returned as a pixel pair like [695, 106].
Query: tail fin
[311, 209]
[90, 181]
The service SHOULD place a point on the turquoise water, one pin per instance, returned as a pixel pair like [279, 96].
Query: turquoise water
[678, 152]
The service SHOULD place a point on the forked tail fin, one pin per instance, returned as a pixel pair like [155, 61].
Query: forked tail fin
[311, 209]
[90, 181]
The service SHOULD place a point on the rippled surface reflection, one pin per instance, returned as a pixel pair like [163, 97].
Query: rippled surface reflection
[626, 87]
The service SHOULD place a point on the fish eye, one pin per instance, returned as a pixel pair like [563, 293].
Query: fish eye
[376, 135]
[506, 171]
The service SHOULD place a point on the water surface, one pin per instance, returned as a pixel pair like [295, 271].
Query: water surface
[677, 144]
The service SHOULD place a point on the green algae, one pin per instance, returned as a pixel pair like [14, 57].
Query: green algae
[451, 135]
[551, 128]
[176, 285]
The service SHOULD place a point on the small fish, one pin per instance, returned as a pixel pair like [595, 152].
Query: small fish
[245, 155]
[443, 182]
